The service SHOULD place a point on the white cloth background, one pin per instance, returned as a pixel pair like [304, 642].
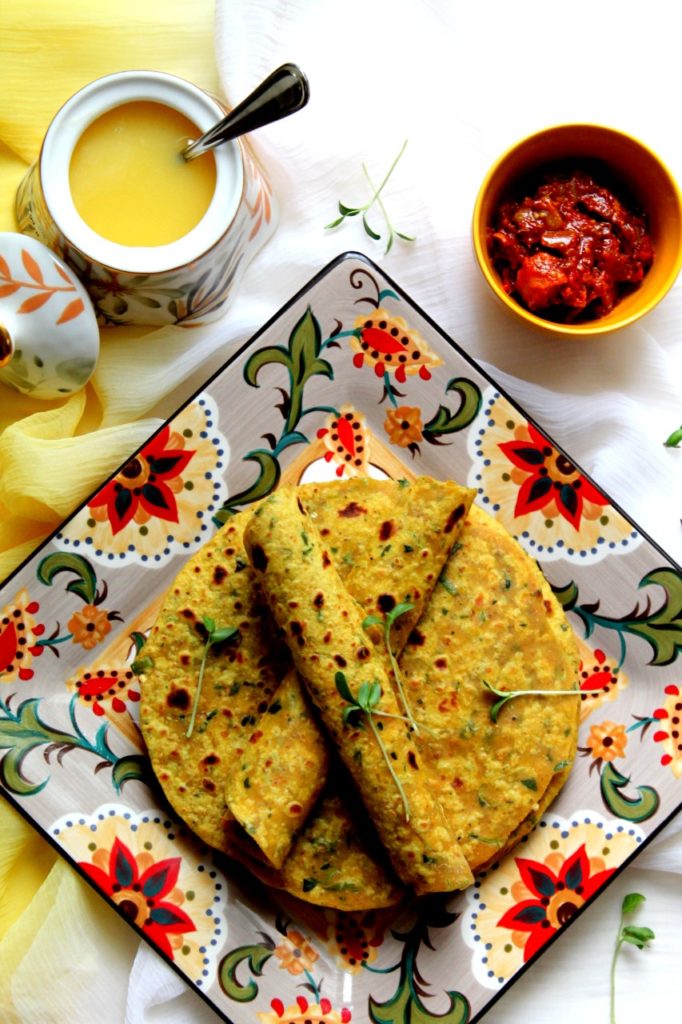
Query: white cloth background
[462, 82]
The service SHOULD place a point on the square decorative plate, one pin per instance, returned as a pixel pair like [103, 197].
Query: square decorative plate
[73, 618]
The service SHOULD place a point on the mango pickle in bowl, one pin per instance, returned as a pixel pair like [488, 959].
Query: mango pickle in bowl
[578, 230]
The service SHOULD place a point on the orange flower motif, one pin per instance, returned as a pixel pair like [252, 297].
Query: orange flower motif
[404, 425]
[295, 953]
[89, 626]
[607, 741]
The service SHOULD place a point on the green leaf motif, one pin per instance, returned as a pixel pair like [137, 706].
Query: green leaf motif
[269, 473]
[20, 733]
[635, 809]
[661, 628]
[131, 766]
[256, 956]
[23, 731]
[85, 583]
[567, 596]
[446, 422]
[405, 1005]
[301, 358]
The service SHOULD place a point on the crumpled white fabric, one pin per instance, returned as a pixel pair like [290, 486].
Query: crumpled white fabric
[461, 82]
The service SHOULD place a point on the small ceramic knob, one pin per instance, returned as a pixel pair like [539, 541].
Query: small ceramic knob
[49, 339]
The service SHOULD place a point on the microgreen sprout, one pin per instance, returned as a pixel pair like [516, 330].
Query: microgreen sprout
[354, 211]
[634, 934]
[507, 695]
[142, 664]
[215, 635]
[386, 624]
[366, 703]
[675, 439]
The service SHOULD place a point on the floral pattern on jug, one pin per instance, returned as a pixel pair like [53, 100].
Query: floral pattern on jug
[49, 340]
[192, 287]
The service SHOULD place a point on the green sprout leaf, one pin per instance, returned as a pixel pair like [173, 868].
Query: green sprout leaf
[215, 635]
[507, 695]
[635, 935]
[675, 439]
[632, 901]
[387, 624]
[366, 703]
[354, 211]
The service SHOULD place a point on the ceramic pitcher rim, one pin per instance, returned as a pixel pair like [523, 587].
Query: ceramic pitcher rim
[79, 112]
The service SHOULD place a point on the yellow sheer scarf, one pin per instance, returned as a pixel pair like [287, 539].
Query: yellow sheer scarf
[53, 454]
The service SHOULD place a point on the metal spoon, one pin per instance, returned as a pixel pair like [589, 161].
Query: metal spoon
[282, 93]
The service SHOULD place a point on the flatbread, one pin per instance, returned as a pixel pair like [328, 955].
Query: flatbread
[333, 862]
[239, 680]
[322, 626]
[389, 541]
[274, 785]
[330, 861]
[495, 618]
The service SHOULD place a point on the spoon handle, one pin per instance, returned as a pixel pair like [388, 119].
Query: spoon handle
[282, 93]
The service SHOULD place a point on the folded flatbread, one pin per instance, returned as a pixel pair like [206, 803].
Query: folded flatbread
[493, 617]
[322, 625]
[240, 678]
[389, 540]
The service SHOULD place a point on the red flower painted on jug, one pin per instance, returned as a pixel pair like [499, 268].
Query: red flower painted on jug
[548, 480]
[146, 486]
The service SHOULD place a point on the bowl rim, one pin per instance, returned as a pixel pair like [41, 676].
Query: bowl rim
[591, 327]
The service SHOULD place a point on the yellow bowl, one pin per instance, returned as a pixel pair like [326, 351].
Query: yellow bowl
[628, 162]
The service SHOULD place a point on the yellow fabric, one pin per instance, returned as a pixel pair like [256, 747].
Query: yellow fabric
[49, 51]
[53, 454]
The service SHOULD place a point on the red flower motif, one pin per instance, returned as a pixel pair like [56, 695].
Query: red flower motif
[557, 897]
[108, 688]
[305, 1012]
[551, 481]
[145, 484]
[344, 438]
[390, 346]
[669, 718]
[18, 633]
[140, 896]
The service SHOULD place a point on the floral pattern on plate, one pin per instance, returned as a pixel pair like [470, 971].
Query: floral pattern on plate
[541, 497]
[20, 635]
[160, 502]
[80, 608]
[521, 903]
[601, 679]
[176, 901]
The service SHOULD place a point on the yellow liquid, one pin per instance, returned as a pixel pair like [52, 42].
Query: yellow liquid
[129, 182]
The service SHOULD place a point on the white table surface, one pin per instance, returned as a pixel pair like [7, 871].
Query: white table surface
[462, 82]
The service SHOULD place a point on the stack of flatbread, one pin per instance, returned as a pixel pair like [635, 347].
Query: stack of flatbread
[343, 747]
